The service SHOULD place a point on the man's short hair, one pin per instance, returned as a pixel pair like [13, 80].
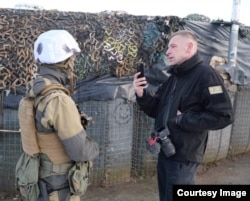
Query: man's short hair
[185, 33]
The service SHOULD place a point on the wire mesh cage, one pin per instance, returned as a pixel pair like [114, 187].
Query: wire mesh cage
[240, 139]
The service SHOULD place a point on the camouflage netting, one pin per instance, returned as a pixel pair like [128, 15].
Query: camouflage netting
[111, 43]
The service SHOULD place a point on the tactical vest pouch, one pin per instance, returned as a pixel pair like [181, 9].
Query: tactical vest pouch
[27, 170]
[78, 177]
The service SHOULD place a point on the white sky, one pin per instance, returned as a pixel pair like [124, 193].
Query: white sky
[214, 9]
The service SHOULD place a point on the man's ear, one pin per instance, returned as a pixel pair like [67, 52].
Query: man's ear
[190, 46]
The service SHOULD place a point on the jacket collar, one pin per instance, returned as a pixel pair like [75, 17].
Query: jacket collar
[186, 66]
[48, 75]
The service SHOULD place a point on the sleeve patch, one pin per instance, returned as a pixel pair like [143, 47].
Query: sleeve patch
[215, 90]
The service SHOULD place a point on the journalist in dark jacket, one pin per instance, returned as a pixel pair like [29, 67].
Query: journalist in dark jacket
[197, 102]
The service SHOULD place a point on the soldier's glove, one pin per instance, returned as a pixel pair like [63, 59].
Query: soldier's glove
[85, 120]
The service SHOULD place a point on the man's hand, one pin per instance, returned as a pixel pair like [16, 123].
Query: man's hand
[139, 84]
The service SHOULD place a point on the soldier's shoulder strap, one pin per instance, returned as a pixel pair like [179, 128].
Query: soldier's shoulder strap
[49, 89]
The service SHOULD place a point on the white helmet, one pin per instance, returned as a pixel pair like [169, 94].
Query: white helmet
[55, 46]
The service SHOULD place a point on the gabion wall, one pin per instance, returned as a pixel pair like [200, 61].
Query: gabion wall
[240, 138]
[10, 149]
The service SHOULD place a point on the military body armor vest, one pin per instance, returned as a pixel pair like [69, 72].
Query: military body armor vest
[34, 142]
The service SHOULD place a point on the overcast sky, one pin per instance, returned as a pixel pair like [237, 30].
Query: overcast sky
[214, 9]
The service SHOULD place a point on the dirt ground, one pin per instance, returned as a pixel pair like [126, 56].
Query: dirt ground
[226, 171]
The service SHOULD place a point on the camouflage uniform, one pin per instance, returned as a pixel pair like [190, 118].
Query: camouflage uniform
[61, 137]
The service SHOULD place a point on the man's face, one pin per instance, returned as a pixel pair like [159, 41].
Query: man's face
[177, 51]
